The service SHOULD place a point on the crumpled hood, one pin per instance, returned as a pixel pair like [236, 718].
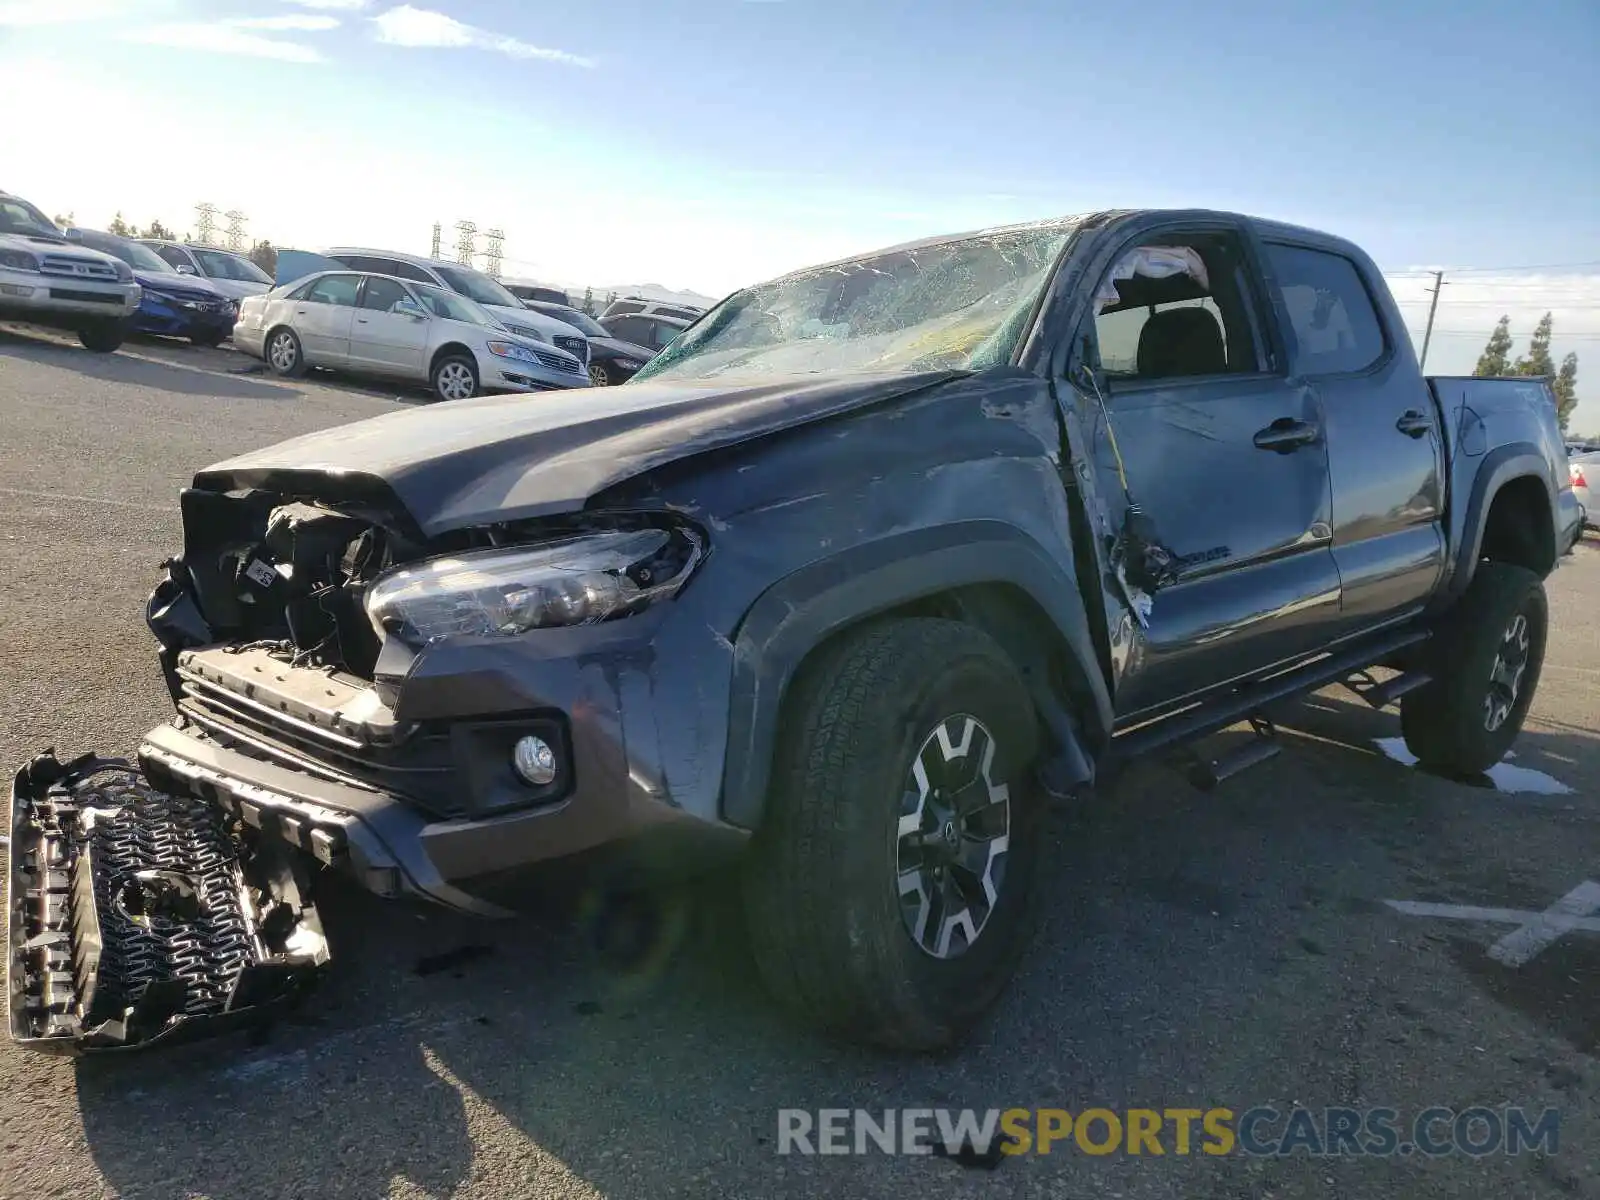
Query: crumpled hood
[503, 458]
[174, 284]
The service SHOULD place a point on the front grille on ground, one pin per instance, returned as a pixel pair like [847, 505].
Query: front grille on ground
[136, 913]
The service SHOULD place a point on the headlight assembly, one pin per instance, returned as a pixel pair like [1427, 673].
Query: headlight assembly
[18, 260]
[124, 271]
[512, 350]
[522, 331]
[574, 581]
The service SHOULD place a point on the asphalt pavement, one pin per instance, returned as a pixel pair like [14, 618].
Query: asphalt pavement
[1233, 949]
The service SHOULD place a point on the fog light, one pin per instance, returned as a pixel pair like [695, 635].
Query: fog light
[534, 760]
[15, 289]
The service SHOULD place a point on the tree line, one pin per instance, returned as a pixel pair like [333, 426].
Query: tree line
[1496, 360]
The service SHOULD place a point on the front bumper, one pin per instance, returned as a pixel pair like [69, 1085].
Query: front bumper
[520, 375]
[159, 315]
[48, 299]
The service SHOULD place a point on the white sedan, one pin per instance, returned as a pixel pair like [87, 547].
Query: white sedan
[1585, 472]
[379, 325]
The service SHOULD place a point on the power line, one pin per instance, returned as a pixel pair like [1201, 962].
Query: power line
[1420, 273]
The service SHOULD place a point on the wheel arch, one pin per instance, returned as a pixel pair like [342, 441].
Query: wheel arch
[984, 573]
[452, 350]
[1510, 516]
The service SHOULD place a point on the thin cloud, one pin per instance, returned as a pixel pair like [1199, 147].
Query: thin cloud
[289, 22]
[225, 38]
[422, 28]
[60, 12]
[334, 5]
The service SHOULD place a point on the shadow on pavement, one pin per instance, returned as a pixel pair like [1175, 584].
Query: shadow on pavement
[144, 372]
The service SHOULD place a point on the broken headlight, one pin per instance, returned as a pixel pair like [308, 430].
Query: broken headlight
[574, 581]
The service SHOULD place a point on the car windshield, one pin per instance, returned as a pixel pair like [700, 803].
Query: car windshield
[581, 321]
[442, 303]
[18, 216]
[959, 304]
[139, 257]
[226, 266]
[478, 287]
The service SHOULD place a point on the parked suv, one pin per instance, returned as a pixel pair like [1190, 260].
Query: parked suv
[234, 275]
[536, 293]
[47, 280]
[663, 308]
[474, 285]
[850, 581]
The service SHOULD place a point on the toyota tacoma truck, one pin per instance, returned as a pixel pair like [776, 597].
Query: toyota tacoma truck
[852, 581]
[47, 280]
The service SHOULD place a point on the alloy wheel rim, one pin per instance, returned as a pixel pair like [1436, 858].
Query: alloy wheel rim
[1505, 677]
[597, 376]
[455, 381]
[283, 354]
[952, 838]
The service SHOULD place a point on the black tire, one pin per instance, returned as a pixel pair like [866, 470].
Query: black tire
[103, 337]
[283, 353]
[208, 341]
[599, 376]
[1464, 721]
[829, 930]
[447, 369]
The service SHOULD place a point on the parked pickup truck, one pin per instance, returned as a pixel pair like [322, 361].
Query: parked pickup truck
[47, 280]
[853, 580]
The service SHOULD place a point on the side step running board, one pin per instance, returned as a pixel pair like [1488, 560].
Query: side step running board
[1381, 695]
[1249, 699]
[1208, 773]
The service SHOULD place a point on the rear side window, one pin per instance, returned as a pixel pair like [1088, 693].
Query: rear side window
[334, 289]
[1335, 325]
[620, 307]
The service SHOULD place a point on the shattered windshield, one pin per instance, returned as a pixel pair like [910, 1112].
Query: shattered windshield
[960, 304]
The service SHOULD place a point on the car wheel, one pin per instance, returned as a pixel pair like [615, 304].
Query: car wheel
[103, 337]
[890, 887]
[455, 378]
[208, 341]
[1485, 660]
[598, 375]
[284, 354]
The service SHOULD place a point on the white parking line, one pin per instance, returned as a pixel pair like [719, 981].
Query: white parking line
[1535, 932]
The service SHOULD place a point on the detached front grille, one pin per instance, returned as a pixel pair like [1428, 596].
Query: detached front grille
[558, 362]
[78, 268]
[576, 346]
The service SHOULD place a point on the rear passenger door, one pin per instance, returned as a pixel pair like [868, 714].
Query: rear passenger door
[1385, 452]
[1224, 451]
[322, 319]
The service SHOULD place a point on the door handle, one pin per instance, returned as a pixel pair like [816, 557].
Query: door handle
[1414, 424]
[1286, 435]
[361, 320]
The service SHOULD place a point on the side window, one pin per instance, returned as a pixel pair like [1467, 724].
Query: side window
[393, 266]
[1177, 308]
[664, 333]
[334, 289]
[174, 256]
[1335, 326]
[626, 306]
[383, 294]
[627, 328]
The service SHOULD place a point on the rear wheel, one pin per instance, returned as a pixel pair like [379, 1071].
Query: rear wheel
[1485, 660]
[103, 337]
[284, 354]
[455, 377]
[890, 886]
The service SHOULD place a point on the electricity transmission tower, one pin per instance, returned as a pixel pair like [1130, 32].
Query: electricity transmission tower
[205, 223]
[236, 220]
[434, 252]
[466, 241]
[495, 252]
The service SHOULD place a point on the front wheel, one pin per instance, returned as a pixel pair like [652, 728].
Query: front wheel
[103, 337]
[455, 378]
[890, 887]
[1485, 660]
[598, 375]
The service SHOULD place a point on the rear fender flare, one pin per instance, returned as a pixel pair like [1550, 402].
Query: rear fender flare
[801, 611]
[1498, 468]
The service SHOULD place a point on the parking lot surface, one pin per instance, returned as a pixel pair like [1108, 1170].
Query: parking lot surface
[1227, 949]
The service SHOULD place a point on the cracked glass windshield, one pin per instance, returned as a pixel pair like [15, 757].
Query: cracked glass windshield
[959, 304]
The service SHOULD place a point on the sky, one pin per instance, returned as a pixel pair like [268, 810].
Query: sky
[706, 144]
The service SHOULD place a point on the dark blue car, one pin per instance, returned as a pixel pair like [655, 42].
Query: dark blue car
[174, 304]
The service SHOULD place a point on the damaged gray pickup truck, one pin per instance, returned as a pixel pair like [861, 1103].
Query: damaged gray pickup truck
[862, 572]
